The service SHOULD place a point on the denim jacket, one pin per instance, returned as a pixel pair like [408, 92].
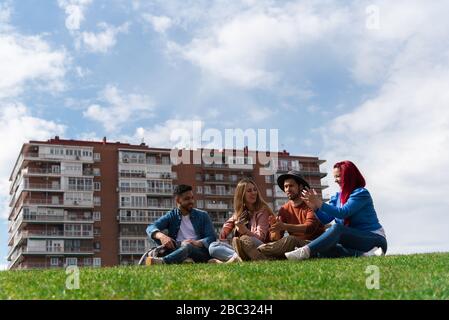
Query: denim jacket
[201, 223]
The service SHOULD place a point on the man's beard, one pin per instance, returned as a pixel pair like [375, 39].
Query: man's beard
[293, 197]
[187, 208]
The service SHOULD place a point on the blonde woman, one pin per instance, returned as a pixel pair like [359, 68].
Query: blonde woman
[250, 224]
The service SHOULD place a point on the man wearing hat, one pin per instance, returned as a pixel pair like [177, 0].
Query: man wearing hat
[295, 217]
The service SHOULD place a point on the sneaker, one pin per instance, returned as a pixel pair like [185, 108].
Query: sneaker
[235, 258]
[188, 260]
[298, 254]
[213, 260]
[376, 251]
[153, 260]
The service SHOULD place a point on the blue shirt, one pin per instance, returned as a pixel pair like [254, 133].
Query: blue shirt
[201, 222]
[359, 209]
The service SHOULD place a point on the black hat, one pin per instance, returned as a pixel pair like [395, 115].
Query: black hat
[293, 174]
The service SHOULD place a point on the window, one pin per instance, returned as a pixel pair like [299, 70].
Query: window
[54, 261]
[97, 231]
[97, 245]
[234, 178]
[199, 189]
[165, 160]
[97, 186]
[207, 190]
[71, 261]
[221, 190]
[219, 177]
[268, 179]
[174, 175]
[87, 262]
[96, 172]
[200, 204]
[151, 160]
[97, 156]
[296, 165]
[97, 215]
[97, 201]
[269, 193]
[97, 262]
[198, 177]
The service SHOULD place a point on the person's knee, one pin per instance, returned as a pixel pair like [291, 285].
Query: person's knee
[213, 248]
[187, 247]
[337, 227]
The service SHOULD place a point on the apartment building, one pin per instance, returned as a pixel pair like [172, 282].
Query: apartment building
[88, 203]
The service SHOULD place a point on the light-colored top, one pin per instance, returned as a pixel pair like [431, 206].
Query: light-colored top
[186, 230]
[258, 226]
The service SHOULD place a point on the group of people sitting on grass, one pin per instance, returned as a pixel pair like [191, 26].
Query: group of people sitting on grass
[346, 227]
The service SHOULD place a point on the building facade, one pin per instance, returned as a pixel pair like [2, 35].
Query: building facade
[88, 203]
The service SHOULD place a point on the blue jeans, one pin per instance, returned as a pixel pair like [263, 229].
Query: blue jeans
[341, 241]
[184, 251]
[221, 250]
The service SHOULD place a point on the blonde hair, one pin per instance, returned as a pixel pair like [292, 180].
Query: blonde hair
[239, 199]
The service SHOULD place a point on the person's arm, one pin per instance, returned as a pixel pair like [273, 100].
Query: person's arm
[357, 200]
[308, 227]
[227, 228]
[262, 227]
[154, 231]
[209, 232]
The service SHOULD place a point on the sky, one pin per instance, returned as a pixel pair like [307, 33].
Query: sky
[366, 81]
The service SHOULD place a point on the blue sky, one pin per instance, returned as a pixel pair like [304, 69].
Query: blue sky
[359, 80]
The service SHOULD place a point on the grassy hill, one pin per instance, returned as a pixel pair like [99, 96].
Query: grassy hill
[423, 276]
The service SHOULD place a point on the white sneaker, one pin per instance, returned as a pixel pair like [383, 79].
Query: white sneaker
[299, 254]
[188, 260]
[234, 258]
[376, 251]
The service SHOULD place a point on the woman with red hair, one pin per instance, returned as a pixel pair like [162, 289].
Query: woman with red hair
[356, 231]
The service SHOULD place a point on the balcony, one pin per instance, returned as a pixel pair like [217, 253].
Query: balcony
[58, 250]
[132, 174]
[219, 194]
[58, 203]
[129, 234]
[144, 220]
[304, 171]
[42, 187]
[133, 250]
[57, 234]
[224, 180]
[47, 265]
[146, 206]
[41, 171]
[34, 156]
[153, 191]
[224, 166]
[217, 206]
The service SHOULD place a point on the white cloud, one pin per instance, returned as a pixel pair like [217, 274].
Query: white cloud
[26, 59]
[399, 137]
[74, 10]
[160, 23]
[18, 126]
[240, 48]
[5, 14]
[257, 114]
[103, 41]
[164, 135]
[119, 108]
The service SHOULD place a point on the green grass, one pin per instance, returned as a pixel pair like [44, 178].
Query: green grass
[401, 277]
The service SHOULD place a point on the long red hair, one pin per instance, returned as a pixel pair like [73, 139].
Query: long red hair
[350, 179]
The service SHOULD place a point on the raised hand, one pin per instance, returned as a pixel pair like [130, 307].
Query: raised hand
[312, 199]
